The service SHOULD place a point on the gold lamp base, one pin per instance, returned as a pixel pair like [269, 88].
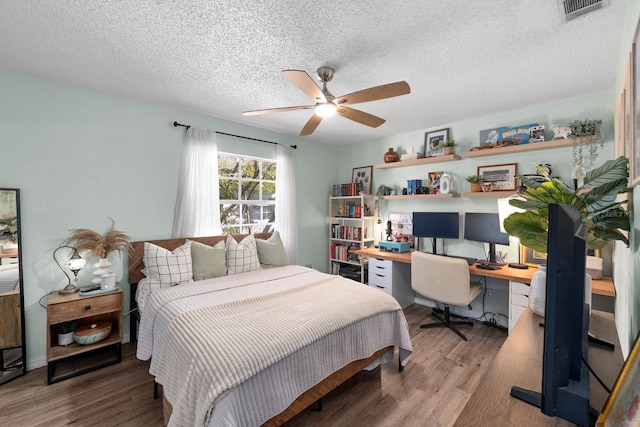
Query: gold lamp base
[69, 289]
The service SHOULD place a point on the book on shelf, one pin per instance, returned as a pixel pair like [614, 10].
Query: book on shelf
[345, 190]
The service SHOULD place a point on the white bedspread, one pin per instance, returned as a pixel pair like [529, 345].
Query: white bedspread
[9, 277]
[225, 375]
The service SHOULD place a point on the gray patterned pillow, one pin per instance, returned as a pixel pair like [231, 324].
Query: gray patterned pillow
[166, 268]
[242, 257]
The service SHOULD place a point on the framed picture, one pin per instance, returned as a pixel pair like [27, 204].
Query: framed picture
[490, 136]
[621, 407]
[433, 142]
[634, 136]
[502, 176]
[362, 175]
[529, 256]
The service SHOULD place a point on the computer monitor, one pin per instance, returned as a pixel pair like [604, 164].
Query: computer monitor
[436, 225]
[485, 227]
[565, 379]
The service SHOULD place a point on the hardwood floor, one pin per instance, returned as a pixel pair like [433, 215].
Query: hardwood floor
[441, 375]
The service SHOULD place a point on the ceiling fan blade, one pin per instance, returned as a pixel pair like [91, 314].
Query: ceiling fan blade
[277, 110]
[360, 116]
[373, 94]
[306, 84]
[311, 125]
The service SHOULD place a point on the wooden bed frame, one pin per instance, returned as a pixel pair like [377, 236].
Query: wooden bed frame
[306, 399]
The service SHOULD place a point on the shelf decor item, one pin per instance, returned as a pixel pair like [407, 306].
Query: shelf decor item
[362, 177]
[476, 183]
[585, 135]
[390, 156]
[503, 176]
[92, 333]
[434, 142]
[448, 146]
[98, 245]
[65, 332]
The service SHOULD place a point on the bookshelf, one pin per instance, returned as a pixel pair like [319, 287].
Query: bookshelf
[352, 221]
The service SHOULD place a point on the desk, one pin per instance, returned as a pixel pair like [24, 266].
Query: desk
[519, 280]
[519, 362]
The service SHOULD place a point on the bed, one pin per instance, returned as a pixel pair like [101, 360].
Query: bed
[258, 347]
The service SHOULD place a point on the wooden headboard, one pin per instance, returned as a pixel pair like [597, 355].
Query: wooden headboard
[136, 253]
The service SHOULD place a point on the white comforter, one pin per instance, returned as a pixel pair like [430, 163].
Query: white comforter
[233, 390]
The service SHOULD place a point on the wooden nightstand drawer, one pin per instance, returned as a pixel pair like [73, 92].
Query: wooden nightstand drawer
[84, 307]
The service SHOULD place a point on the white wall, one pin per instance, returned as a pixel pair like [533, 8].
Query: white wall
[79, 156]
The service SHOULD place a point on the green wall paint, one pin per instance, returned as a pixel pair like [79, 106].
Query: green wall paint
[80, 156]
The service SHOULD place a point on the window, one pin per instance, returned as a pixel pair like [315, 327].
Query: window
[247, 193]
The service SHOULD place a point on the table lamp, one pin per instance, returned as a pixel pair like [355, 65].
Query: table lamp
[74, 264]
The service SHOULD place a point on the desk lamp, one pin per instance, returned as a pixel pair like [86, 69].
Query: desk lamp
[75, 264]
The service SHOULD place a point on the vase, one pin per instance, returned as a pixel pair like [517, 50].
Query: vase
[445, 183]
[65, 339]
[475, 187]
[103, 266]
[390, 156]
[537, 290]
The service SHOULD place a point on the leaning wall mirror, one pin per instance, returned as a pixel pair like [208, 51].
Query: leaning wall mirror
[12, 338]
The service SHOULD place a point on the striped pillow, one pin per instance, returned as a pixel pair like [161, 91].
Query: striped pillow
[242, 257]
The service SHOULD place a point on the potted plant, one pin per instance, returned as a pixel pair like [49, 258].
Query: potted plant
[448, 145]
[604, 217]
[65, 331]
[476, 182]
[585, 134]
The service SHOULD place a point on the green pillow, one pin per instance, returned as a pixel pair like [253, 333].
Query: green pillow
[271, 252]
[208, 261]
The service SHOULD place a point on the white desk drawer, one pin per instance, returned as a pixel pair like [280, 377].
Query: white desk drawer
[519, 288]
[381, 287]
[378, 264]
[520, 300]
[380, 278]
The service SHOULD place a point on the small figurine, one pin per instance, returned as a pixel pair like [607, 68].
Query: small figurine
[561, 131]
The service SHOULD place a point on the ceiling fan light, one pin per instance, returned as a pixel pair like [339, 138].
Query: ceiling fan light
[327, 109]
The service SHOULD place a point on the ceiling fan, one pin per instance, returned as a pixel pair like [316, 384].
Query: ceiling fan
[327, 105]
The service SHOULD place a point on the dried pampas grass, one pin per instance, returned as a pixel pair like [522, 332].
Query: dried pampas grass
[98, 245]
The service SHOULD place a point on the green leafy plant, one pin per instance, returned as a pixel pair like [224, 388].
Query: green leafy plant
[475, 178]
[605, 218]
[9, 229]
[586, 134]
[449, 143]
[68, 326]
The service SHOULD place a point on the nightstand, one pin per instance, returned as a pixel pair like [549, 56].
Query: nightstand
[74, 359]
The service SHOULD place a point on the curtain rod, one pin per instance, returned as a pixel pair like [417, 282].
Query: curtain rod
[295, 147]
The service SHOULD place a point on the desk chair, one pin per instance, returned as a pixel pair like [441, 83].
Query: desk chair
[446, 280]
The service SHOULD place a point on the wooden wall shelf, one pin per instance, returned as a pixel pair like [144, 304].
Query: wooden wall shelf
[488, 194]
[532, 146]
[421, 196]
[424, 161]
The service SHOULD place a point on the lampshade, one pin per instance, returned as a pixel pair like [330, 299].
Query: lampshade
[74, 264]
[327, 109]
[505, 209]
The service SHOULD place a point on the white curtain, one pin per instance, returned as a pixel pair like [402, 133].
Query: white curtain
[286, 219]
[197, 211]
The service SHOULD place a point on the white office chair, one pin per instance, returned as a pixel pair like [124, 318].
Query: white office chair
[446, 280]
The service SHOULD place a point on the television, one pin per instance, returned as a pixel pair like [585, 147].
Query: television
[565, 380]
[485, 227]
[436, 225]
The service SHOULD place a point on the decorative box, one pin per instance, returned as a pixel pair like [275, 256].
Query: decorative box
[517, 134]
[92, 333]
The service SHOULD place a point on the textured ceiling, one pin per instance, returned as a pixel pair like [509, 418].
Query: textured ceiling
[462, 59]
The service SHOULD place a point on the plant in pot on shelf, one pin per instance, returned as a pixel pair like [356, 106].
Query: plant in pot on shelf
[448, 146]
[586, 135]
[476, 182]
[65, 332]
[604, 217]
[99, 245]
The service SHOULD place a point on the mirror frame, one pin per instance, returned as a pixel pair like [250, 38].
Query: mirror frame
[18, 372]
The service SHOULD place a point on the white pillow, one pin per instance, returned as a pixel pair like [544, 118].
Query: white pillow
[242, 257]
[167, 268]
